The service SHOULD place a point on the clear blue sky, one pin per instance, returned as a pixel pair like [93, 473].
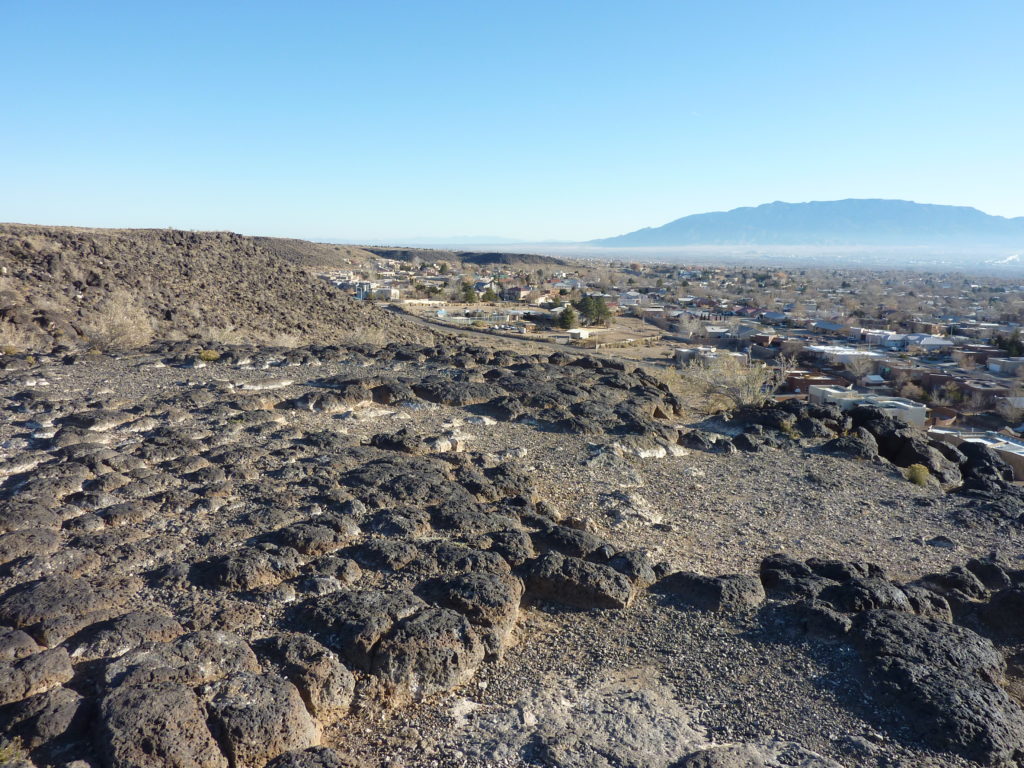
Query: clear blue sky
[378, 121]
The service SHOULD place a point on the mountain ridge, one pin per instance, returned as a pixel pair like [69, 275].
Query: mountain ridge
[853, 221]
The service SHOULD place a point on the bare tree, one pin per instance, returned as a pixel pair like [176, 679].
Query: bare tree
[859, 366]
[1007, 408]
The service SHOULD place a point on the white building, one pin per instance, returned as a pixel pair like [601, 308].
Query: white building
[1007, 365]
[914, 413]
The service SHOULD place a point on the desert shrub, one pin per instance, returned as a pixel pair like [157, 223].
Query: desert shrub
[918, 474]
[209, 355]
[788, 428]
[119, 324]
[12, 752]
[223, 335]
[14, 339]
[289, 340]
[727, 382]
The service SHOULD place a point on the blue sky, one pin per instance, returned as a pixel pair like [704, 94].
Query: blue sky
[387, 120]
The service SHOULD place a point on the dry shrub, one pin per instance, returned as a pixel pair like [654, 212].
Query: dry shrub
[14, 339]
[918, 474]
[119, 324]
[13, 752]
[289, 340]
[223, 335]
[209, 355]
[727, 382]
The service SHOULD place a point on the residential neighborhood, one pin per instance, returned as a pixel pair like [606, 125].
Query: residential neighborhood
[948, 345]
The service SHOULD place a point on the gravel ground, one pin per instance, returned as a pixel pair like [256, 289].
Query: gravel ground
[733, 678]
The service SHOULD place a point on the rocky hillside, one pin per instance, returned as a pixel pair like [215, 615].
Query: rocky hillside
[306, 253]
[121, 288]
[451, 555]
[480, 258]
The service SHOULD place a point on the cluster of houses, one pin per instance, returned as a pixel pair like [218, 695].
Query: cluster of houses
[935, 342]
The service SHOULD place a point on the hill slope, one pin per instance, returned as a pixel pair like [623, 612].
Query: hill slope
[836, 222]
[64, 285]
[306, 253]
[480, 258]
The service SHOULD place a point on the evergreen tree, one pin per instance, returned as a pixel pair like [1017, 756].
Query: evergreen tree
[489, 295]
[568, 318]
[593, 309]
[468, 295]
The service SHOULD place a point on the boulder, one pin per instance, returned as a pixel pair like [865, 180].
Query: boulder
[430, 652]
[57, 713]
[853, 446]
[120, 635]
[1004, 612]
[783, 577]
[57, 606]
[857, 595]
[637, 565]
[15, 644]
[250, 568]
[490, 601]
[843, 570]
[984, 469]
[316, 536]
[156, 726]
[34, 674]
[325, 684]
[567, 541]
[258, 717]
[351, 623]
[578, 583]
[733, 592]
[916, 449]
[192, 659]
[945, 682]
[27, 542]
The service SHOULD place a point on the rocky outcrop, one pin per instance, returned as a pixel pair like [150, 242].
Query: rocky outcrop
[234, 566]
[943, 681]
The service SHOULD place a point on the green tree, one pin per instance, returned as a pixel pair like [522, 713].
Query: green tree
[468, 294]
[1011, 344]
[594, 310]
[568, 318]
[443, 269]
[489, 295]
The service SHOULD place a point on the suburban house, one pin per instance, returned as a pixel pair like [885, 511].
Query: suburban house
[1009, 366]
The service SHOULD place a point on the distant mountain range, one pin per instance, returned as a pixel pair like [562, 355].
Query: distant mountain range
[836, 222]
